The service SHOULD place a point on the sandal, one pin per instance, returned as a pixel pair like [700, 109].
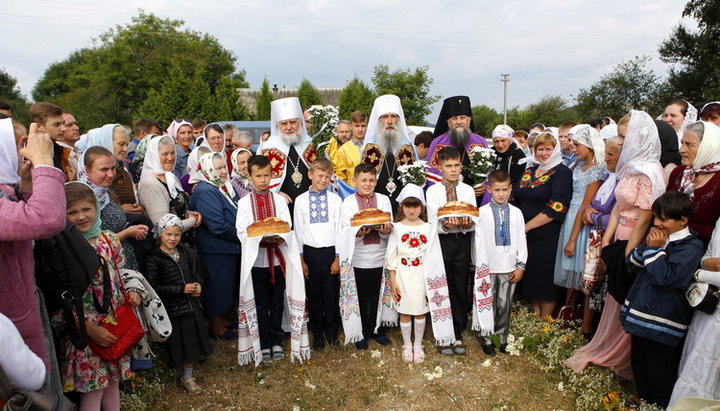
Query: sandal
[191, 386]
[407, 353]
[418, 353]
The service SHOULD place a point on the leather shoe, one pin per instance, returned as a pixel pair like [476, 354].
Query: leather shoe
[488, 349]
[361, 345]
[383, 340]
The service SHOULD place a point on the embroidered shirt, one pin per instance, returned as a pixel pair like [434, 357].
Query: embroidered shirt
[317, 218]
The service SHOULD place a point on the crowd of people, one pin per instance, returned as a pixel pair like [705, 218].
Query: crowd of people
[608, 223]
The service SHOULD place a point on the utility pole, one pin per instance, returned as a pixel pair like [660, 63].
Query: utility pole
[505, 80]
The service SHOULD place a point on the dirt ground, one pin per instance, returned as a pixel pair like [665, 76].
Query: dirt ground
[345, 378]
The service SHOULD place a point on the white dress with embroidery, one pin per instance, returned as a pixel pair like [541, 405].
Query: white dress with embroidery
[408, 261]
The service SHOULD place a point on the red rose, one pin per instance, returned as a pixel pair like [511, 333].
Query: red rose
[404, 261]
[405, 237]
[416, 262]
[414, 242]
[423, 238]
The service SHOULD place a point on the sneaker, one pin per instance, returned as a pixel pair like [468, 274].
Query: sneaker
[458, 347]
[277, 352]
[488, 349]
[266, 356]
[445, 350]
[383, 340]
[191, 386]
[361, 345]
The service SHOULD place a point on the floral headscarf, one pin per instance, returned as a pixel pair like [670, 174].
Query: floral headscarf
[193, 164]
[207, 169]
[236, 169]
[590, 138]
[168, 220]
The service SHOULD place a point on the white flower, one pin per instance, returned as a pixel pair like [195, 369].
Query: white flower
[561, 386]
[510, 339]
[487, 363]
[381, 363]
[429, 376]
[438, 373]
[309, 385]
[296, 407]
[375, 354]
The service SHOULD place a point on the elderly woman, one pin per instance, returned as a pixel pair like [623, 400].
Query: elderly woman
[507, 152]
[159, 191]
[543, 195]
[698, 175]
[24, 217]
[217, 240]
[641, 181]
[182, 131]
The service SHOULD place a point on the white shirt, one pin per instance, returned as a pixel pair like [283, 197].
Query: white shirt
[436, 197]
[245, 217]
[502, 259]
[370, 255]
[24, 369]
[317, 224]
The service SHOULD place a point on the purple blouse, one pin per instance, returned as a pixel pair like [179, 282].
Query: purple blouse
[602, 217]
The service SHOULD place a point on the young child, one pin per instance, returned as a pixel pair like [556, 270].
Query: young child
[84, 371]
[455, 234]
[501, 231]
[268, 276]
[174, 273]
[368, 254]
[414, 261]
[317, 225]
[656, 311]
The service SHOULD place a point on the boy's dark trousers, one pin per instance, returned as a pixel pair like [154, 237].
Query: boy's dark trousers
[269, 303]
[655, 368]
[456, 256]
[323, 292]
[368, 282]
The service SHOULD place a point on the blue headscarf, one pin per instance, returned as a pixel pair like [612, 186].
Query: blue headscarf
[95, 229]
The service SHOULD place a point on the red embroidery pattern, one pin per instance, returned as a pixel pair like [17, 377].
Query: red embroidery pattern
[414, 262]
[405, 155]
[373, 156]
[310, 154]
[434, 163]
[278, 160]
[527, 180]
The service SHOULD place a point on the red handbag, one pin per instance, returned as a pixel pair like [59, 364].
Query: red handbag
[128, 331]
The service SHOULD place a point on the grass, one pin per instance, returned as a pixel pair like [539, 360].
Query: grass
[344, 378]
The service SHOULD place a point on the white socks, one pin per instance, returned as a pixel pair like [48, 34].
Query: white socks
[419, 331]
[406, 330]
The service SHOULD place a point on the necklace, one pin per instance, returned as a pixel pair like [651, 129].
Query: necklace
[390, 186]
[296, 175]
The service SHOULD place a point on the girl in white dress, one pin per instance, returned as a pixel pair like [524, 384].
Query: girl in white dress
[407, 272]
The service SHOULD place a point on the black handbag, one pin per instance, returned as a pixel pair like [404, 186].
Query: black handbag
[703, 296]
[618, 276]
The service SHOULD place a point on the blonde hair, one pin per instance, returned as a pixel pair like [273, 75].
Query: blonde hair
[545, 139]
[321, 163]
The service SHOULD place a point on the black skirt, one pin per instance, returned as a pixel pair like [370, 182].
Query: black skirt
[189, 340]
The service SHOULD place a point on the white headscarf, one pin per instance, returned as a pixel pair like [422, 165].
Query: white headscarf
[207, 170]
[168, 220]
[641, 151]
[411, 191]
[97, 137]
[691, 116]
[8, 153]
[233, 159]
[175, 126]
[385, 104]
[153, 166]
[709, 149]
[608, 131]
[590, 138]
[193, 163]
[554, 160]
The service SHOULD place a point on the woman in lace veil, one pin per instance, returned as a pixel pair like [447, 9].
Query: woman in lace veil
[680, 114]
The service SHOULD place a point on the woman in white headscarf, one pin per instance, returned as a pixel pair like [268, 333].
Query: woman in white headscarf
[641, 181]
[159, 191]
[182, 131]
[240, 180]
[698, 175]
[543, 195]
[217, 241]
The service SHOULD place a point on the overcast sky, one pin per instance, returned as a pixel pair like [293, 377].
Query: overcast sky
[549, 47]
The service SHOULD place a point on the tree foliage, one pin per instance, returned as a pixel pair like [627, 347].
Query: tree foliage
[308, 95]
[696, 54]
[262, 103]
[628, 86]
[413, 88]
[10, 93]
[485, 119]
[130, 67]
[356, 96]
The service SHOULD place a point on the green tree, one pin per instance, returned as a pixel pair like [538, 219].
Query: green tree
[227, 101]
[548, 110]
[413, 88]
[131, 63]
[262, 104]
[629, 85]
[10, 93]
[485, 119]
[355, 96]
[179, 96]
[695, 53]
[308, 94]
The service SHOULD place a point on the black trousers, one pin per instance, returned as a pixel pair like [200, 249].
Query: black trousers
[368, 288]
[655, 367]
[323, 292]
[456, 256]
[269, 303]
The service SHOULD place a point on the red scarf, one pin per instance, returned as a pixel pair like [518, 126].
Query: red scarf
[373, 237]
[263, 206]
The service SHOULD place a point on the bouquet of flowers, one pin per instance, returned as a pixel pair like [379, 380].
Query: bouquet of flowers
[481, 162]
[324, 121]
[413, 173]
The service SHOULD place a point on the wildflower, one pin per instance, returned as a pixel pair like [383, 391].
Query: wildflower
[309, 385]
[375, 354]
[546, 329]
[487, 363]
[381, 363]
[561, 386]
[438, 373]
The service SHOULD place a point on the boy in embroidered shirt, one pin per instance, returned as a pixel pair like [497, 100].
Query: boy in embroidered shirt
[455, 234]
[501, 231]
[317, 224]
[268, 277]
[368, 257]
[656, 311]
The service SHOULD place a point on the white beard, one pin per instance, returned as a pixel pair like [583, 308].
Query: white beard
[291, 139]
[389, 140]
